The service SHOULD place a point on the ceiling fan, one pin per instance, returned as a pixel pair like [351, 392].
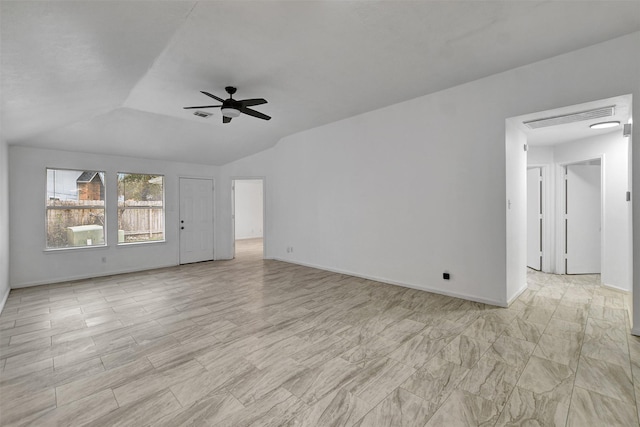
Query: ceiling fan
[232, 107]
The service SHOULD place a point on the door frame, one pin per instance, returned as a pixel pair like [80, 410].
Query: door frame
[561, 192]
[548, 246]
[213, 212]
[233, 209]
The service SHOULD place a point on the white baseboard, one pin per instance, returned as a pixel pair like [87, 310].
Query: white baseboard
[403, 284]
[615, 288]
[88, 276]
[517, 294]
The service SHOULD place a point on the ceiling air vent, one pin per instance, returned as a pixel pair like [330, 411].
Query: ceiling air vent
[571, 118]
[203, 114]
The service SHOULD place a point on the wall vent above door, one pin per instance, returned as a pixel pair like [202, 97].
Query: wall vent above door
[571, 118]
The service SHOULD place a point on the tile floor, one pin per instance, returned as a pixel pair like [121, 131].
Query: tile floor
[266, 343]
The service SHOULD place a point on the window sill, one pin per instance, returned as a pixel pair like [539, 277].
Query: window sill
[150, 242]
[74, 248]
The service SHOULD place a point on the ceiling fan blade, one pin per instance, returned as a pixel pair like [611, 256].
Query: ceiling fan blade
[252, 102]
[254, 113]
[213, 96]
[226, 119]
[203, 106]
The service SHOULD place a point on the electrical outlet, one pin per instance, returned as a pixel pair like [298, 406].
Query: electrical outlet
[446, 276]
[292, 249]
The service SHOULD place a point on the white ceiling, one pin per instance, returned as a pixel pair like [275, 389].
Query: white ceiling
[112, 77]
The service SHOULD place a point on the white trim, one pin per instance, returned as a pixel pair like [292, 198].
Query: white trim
[517, 294]
[615, 288]
[89, 276]
[4, 300]
[402, 284]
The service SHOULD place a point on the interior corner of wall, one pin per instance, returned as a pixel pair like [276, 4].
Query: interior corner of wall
[4, 298]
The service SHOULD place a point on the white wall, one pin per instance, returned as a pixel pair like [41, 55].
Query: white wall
[337, 193]
[30, 264]
[4, 223]
[616, 234]
[249, 218]
[516, 210]
[540, 155]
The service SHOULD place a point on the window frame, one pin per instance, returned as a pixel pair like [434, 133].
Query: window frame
[164, 215]
[48, 208]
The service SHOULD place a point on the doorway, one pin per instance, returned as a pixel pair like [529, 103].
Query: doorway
[196, 220]
[248, 217]
[565, 143]
[583, 217]
[534, 218]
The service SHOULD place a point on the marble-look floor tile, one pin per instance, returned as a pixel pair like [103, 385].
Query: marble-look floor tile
[254, 384]
[491, 379]
[606, 330]
[545, 376]
[400, 408]
[512, 351]
[418, 350]
[605, 378]
[526, 408]
[564, 329]
[402, 330]
[313, 384]
[78, 389]
[144, 412]
[340, 408]
[158, 380]
[80, 412]
[606, 351]
[561, 350]
[571, 313]
[27, 406]
[369, 350]
[435, 380]
[523, 330]
[591, 408]
[378, 379]
[465, 409]
[464, 351]
[537, 314]
[206, 411]
[254, 342]
[485, 329]
[277, 408]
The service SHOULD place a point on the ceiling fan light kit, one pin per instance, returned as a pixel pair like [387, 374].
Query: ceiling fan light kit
[230, 112]
[231, 108]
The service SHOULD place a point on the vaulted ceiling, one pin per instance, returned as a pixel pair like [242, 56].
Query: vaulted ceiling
[112, 77]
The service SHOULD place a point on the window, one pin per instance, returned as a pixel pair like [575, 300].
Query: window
[140, 208]
[74, 208]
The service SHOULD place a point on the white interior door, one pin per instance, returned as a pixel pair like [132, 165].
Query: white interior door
[534, 218]
[583, 219]
[196, 220]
